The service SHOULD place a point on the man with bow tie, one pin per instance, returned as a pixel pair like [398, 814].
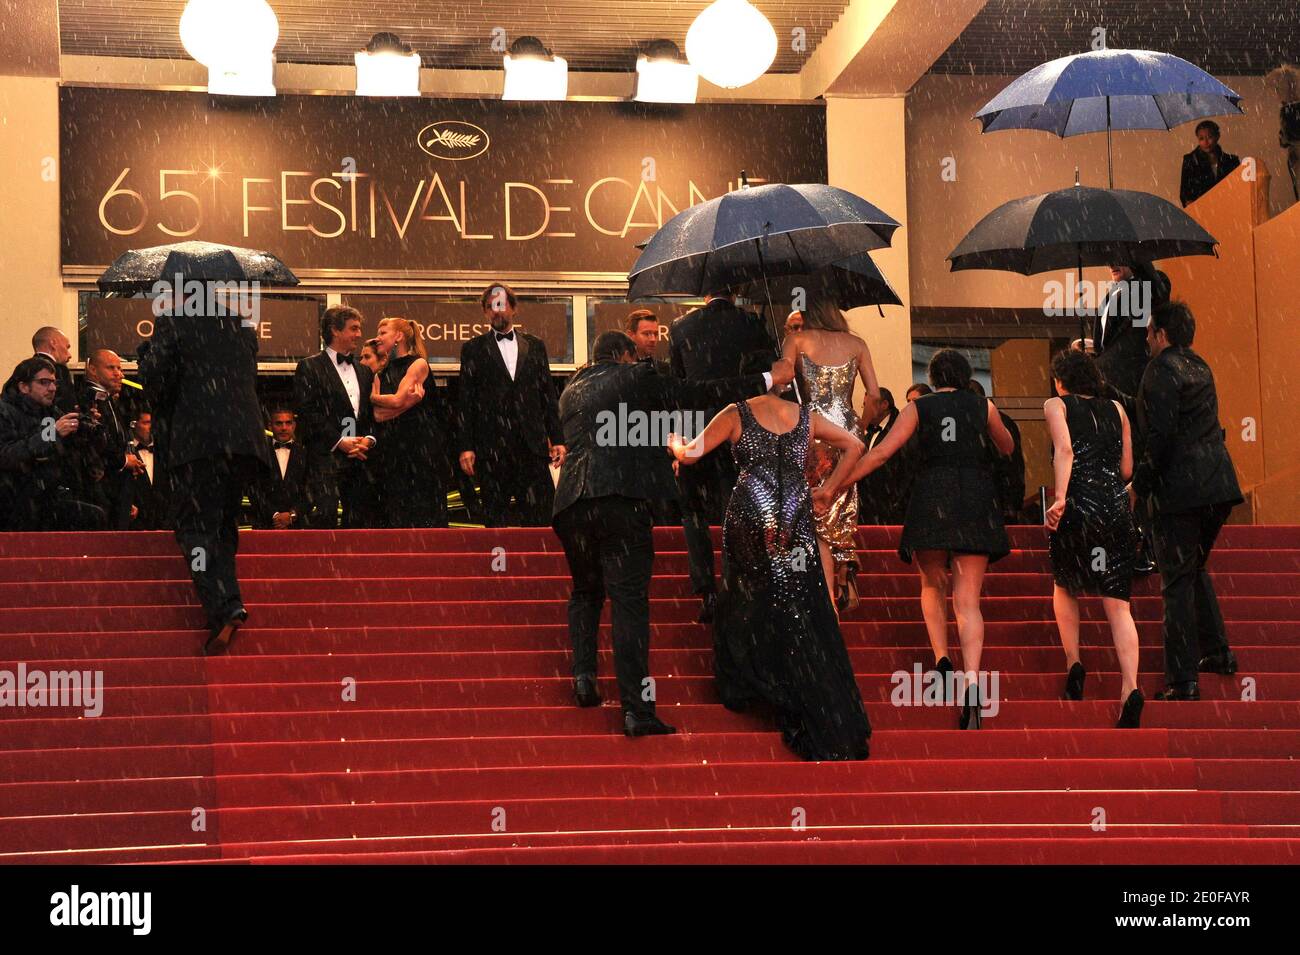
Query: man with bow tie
[509, 417]
[331, 391]
[112, 470]
[148, 485]
[279, 499]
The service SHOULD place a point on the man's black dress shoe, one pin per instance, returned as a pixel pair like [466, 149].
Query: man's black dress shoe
[224, 633]
[1224, 662]
[634, 725]
[584, 690]
[708, 605]
[1190, 690]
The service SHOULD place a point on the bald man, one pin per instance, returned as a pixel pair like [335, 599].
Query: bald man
[52, 345]
[111, 481]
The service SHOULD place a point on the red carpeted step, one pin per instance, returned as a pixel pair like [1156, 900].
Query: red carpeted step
[293, 566]
[170, 593]
[496, 612]
[1276, 665]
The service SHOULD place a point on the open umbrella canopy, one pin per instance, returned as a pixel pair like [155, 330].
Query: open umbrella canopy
[757, 232]
[852, 283]
[1080, 226]
[1109, 89]
[139, 270]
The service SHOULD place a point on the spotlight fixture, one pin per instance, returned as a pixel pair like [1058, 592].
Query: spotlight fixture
[664, 76]
[534, 73]
[387, 67]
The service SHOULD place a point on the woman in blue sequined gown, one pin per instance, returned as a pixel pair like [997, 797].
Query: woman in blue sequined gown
[777, 642]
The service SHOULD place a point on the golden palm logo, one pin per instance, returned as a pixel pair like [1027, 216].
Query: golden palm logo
[453, 139]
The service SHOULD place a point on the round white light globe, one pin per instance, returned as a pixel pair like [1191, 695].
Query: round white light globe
[731, 43]
[219, 32]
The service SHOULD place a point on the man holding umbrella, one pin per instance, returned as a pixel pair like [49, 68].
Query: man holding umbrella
[200, 375]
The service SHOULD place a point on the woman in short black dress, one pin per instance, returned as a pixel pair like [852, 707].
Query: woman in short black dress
[410, 439]
[1093, 542]
[953, 519]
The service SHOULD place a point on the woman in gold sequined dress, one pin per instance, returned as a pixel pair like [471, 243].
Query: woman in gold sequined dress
[828, 360]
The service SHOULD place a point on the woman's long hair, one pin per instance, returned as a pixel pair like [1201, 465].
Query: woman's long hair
[406, 328]
[821, 312]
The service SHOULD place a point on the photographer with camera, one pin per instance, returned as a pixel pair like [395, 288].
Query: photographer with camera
[40, 453]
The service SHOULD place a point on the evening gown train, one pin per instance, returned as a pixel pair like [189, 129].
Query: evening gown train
[1094, 547]
[776, 638]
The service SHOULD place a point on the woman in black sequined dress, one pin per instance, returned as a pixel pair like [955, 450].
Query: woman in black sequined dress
[1092, 540]
[777, 642]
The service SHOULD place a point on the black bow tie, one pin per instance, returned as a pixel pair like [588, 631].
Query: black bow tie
[144, 447]
[277, 445]
[343, 359]
[507, 337]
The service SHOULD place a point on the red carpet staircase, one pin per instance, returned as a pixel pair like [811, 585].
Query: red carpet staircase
[458, 741]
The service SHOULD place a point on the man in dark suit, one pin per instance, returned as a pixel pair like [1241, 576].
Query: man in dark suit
[716, 341]
[642, 326]
[883, 494]
[331, 393]
[52, 345]
[1119, 331]
[149, 499]
[200, 377]
[115, 466]
[1188, 476]
[279, 497]
[602, 511]
[508, 417]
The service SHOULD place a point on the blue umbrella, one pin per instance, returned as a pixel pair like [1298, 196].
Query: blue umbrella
[1107, 90]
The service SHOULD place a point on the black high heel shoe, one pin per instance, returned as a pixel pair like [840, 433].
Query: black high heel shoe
[970, 711]
[1130, 718]
[944, 668]
[1074, 682]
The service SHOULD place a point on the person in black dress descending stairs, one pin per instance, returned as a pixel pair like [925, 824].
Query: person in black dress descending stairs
[1092, 540]
[777, 642]
[953, 523]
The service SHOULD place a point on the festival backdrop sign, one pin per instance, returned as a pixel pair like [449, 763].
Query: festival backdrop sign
[360, 184]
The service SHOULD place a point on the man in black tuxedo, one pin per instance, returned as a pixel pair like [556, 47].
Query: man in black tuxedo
[1188, 476]
[642, 326]
[602, 510]
[279, 497]
[116, 466]
[509, 422]
[331, 393]
[1119, 332]
[200, 378]
[716, 341]
[149, 499]
[52, 345]
[883, 494]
